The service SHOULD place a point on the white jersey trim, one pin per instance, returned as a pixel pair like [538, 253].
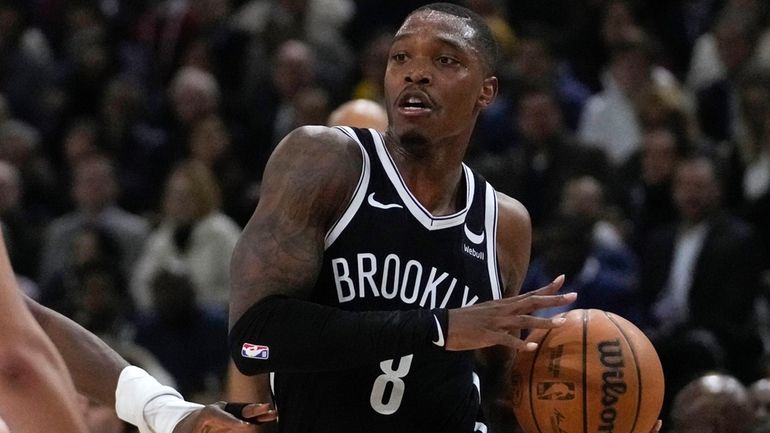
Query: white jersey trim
[490, 226]
[358, 195]
[416, 208]
[478, 426]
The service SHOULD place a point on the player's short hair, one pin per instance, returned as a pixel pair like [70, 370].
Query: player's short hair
[484, 39]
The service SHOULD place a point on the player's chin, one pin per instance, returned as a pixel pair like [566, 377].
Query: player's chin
[414, 138]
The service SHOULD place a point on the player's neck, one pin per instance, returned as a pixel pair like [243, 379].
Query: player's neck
[433, 173]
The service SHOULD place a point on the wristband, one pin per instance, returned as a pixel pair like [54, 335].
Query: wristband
[441, 327]
[144, 402]
[236, 410]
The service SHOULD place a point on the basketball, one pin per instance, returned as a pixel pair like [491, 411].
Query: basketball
[596, 373]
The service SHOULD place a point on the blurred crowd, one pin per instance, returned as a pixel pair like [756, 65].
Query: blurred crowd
[133, 135]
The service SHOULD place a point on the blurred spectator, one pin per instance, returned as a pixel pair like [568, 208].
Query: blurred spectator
[753, 137]
[373, 61]
[271, 106]
[701, 276]
[536, 170]
[4, 112]
[759, 395]
[177, 26]
[749, 163]
[20, 146]
[101, 301]
[716, 51]
[311, 107]
[194, 94]
[194, 237]
[679, 25]
[20, 230]
[670, 108]
[189, 340]
[295, 71]
[318, 23]
[646, 186]
[80, 142]
[95, 191]
[606, 277]
[139, 147]
[495, 14]
[211, 144]
[360, 113]
[26, 64]
[735, 35]
[535, 61]
[610, 118]
[715, 403]
[578, 24]
[92, 250]
[584, 197]
[88, 62]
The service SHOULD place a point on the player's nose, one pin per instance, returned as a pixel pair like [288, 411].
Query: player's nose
[418, 73]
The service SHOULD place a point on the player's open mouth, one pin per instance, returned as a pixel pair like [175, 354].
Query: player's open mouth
[414, 104]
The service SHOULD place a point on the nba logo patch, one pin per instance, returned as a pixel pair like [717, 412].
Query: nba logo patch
[555, 391]
[255, 351]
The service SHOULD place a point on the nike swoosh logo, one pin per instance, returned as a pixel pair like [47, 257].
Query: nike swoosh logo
[473, 237]
[375, 203]
[440, 339]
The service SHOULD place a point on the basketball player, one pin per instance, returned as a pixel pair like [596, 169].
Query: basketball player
[102, 375]
[375, 264]
[36, 393]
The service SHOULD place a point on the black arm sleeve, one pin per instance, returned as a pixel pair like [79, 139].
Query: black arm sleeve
[297, 335]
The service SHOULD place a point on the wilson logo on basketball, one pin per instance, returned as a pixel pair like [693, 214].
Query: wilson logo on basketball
[555, 391]
[613, 384]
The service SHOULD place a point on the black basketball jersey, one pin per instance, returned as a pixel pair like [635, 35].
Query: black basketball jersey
[387, 252]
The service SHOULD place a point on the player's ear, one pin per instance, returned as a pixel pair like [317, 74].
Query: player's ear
[488, 92]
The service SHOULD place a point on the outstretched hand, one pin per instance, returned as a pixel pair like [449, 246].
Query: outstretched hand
[498, 322]
[214, 419]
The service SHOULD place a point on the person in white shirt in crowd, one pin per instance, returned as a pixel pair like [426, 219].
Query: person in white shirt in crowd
[193, 236]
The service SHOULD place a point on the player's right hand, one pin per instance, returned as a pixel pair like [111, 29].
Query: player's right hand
[214, 419]
[498, 322]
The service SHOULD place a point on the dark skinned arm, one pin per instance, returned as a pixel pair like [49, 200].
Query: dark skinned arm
[84, 353]
[307, 184]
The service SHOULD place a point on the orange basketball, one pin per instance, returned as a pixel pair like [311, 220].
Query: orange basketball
[597, 373]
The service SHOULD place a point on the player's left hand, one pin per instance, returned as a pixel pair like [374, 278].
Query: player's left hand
[214, 419]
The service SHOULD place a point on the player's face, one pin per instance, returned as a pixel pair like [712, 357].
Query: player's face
[435, 83]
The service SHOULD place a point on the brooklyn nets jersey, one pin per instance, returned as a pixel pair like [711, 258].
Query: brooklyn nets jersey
[387, 252]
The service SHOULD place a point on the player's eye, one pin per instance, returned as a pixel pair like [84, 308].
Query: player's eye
[446, 60]
[399, 57]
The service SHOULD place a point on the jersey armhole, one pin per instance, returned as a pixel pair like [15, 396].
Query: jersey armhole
[358, 195]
